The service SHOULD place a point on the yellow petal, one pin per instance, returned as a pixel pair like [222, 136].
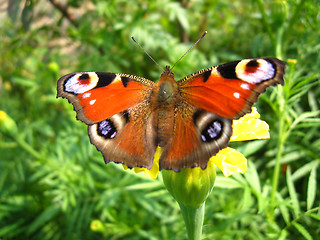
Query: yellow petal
[7, 124]
[230, 161]
[154, 171]
[250, 127]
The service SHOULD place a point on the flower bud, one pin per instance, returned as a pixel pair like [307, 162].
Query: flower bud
[53, 67]
[191, 186]
[279, 11]
[97, 226]
[7, 124]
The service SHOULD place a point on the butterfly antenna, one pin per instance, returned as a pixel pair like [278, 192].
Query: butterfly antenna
[189, 49]
[147, 53]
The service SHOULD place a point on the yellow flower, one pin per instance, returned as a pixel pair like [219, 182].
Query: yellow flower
[154, 171]
[7, 124]
[249, 127]
[228, 160]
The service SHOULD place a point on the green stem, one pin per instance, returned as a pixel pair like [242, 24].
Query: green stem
[295, 16]
[279, 42]
[193, 218]
[27, 147]
[282, 130]
[280, 146]
[265, 19]
[276, 172]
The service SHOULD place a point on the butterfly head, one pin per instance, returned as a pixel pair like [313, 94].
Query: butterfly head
[167, 71]
[167, 86]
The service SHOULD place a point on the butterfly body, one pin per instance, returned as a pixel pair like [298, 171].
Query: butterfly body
[191, 120]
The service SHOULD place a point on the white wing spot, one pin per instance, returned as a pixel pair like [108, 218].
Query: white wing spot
[92, 102]
[75, 86]
[245, 86]
[263, 72]
[86, 95]
[236, 95]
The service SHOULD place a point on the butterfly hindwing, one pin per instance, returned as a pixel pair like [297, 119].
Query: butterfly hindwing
[198, 135]
[122, 138]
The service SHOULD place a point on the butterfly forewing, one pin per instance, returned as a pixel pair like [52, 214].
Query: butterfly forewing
[97, 96]
[230, 90]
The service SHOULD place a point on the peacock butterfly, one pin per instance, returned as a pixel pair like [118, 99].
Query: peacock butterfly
[128, 117]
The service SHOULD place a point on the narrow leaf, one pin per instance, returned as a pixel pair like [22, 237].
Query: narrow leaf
[253, 179]
[292, 193]
[303, 171]
[283, 208]
[45, 216]
[312, 186]
[315, 216]
[227, 183]
[27, 14]
[302, 230]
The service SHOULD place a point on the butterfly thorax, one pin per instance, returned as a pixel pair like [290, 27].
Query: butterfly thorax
[163, 105]
[166, 88]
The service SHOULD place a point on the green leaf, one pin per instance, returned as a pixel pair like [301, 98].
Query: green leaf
[247, 199]
[253, 179]
[44, 217]
[283, 208]
[145, 185]
[302, 230]
[293, 193]
[304, 170]
[228, 183]
[315, 216]
[312, 188]
[27, 14]
[11, 229]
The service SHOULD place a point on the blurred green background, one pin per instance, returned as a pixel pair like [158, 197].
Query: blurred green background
[54, 183]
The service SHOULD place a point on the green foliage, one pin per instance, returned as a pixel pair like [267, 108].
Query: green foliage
[54, 184]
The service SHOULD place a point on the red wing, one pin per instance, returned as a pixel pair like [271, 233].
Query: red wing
[198, 135]
[97, 96]
[122, 138]
[229, 90]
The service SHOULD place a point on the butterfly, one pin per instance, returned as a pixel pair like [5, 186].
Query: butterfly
[128, 117]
